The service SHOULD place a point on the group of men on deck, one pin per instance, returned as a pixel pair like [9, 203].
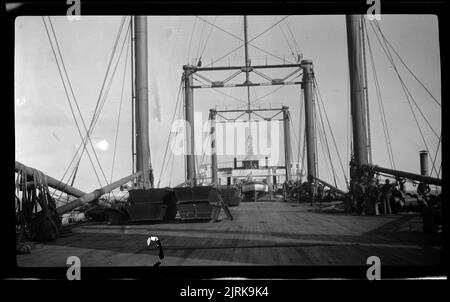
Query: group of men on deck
[372, 198]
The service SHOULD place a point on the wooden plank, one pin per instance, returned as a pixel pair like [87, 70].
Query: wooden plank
[262, 233]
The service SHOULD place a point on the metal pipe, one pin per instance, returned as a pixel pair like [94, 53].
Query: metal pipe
[189, 113]
[86, 198]
[424, 163]
[287, 142]
[52, 182]
[309, 126]
[213, 146]
[357, 89]
[143, 161]
[412, 176]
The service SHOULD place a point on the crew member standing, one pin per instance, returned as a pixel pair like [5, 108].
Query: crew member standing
[386, 197]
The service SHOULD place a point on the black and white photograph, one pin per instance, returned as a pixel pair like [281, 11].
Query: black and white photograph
[228, 140]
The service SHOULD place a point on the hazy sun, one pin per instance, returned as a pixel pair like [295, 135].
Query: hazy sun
[103, 145]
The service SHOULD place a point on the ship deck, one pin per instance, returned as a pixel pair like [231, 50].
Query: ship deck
[262, 233]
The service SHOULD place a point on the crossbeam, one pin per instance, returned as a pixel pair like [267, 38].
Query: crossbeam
[244, 67]
[274, 82]
[251, 110]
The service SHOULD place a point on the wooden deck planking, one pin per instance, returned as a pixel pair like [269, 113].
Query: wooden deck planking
[263, 233]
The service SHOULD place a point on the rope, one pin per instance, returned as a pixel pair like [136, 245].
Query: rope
[34, 205]
[348, 131]
[78, 108]
[101, 100]
[267, 94]
[386, 50]
[287, 42]
[120, 110]
[199, 42]
[101, 90]
[170, 133]
[297, 48]
[436, 154]
[407, 94]
[326, 159]
[248, 43]
[316, 85]
[207, 39]
[104, 97]
[406, 66]
[269, 28]
[67, 94]
[296, 138]
[381, 105]
[325, 136]
[300, 125]
[190, 40]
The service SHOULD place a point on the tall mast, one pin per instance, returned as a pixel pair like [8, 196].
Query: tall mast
[310, 137]
[247, 64]
[133, 100]
[189, 115]
[247, 81]
[357, 104]
[366, 92]
[143, 161]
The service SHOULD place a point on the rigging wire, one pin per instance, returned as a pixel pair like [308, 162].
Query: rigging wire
[207, 39]
[239, 38]
[407, 94]
[190, 40]
[170, 133]
[436, 154]
[96, 116]
[297, 48]
[101, 90]
[287, 42]
[268, 29]
[178, 111]
[199, 42]
[320, 141]
[296, 139]
[88, 131]
[300, 126]
[388, 53]
[348, 130]
[118, 117]
[324, 135]
[381, 105]
[304, 150]
[232, 72]
[67, 93]
[248, 43]
[406, 66]
[102, 98]
[316, 85]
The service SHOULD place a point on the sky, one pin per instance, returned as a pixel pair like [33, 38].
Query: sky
[46, 136]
